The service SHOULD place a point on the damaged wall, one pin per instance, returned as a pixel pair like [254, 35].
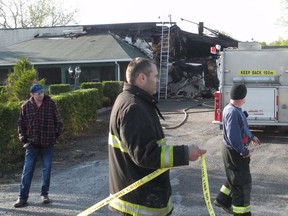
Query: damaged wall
[192, 67]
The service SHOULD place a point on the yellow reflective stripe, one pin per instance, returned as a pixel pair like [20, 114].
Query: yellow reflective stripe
[166, 156]
[241, 210]
[116, 143]
[225, 190]
[161, 141]
[139, 210]
[124, 191]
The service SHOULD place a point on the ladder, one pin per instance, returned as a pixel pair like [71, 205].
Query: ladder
[164, 62]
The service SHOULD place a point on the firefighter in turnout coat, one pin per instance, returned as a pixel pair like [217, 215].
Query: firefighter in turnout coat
[137, 145]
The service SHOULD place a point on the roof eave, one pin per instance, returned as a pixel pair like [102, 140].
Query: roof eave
[73, 62]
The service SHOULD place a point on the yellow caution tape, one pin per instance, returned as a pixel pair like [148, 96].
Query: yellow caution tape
[148, 178]
[205, 186]
[126, 190]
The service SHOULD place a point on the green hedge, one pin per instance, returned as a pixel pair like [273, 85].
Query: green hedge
[2, 88]
[78, 110]
[97, 85]
[58, 89]
[9, 143]
[111, 89]
[3, 94]
[108, 90]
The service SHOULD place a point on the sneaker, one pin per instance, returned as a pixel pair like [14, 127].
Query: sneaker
[225, 208]
[45, 199]
[20, 203]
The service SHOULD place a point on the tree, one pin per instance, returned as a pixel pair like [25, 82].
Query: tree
[279, 42]
[18, 83]
[283, 19]
[34, 13]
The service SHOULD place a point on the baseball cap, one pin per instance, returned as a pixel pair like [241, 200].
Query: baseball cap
[36, 88]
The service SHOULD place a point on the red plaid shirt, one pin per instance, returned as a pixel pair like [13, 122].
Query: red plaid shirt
[39, 126]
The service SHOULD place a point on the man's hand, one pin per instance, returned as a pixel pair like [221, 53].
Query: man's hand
[255, 141]
[249, 154]
[195, 152]
[26, 145]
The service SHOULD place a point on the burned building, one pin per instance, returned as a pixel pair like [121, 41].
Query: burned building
[191, 65]
[104, 51]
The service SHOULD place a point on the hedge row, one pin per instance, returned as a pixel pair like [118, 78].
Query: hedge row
[9, 144]
[108, 90]
[58, 89]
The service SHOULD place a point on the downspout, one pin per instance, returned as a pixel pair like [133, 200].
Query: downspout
[118, 71]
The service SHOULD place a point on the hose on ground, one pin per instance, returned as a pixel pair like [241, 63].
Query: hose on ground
[186, 114]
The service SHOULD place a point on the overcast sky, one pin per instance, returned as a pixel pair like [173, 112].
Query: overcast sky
[244, 20]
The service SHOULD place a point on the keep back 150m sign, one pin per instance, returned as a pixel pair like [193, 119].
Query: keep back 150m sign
[256, 73]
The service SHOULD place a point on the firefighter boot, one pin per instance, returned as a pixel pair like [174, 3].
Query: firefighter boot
[245, 214]
[224, 201]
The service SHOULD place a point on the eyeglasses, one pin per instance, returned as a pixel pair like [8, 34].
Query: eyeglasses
[39, 93]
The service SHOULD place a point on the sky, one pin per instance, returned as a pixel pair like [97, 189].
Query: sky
[245, 20]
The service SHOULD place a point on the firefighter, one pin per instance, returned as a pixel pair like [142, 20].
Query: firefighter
[137, 146]
[234, 195]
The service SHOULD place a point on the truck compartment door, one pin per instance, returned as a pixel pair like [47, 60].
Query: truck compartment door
[262, 104]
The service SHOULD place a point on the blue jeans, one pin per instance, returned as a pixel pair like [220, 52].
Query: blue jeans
[31, 156]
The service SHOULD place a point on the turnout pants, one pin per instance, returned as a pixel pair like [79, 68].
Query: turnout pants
[235, 193]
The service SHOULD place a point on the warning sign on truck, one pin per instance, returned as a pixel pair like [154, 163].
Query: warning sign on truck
[257, 73]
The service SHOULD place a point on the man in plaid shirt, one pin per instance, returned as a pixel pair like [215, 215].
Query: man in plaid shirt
[39, 125]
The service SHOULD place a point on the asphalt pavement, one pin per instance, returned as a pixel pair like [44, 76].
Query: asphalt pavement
[77, 186]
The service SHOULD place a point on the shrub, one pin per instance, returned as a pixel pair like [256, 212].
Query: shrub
[2, 89]
[58, 89]
[3, 95]
[112, 89]
[97, 85]
[78, 110]
[18, 83]
[9, 142]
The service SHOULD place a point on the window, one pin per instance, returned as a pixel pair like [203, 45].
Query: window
[51, 75]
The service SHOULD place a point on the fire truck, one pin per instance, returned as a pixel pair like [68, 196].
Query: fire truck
[265, 74]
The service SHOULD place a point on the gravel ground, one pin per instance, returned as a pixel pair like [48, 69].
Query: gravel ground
[80, 172]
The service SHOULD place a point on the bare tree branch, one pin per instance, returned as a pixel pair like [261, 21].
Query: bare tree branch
[34, 13]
